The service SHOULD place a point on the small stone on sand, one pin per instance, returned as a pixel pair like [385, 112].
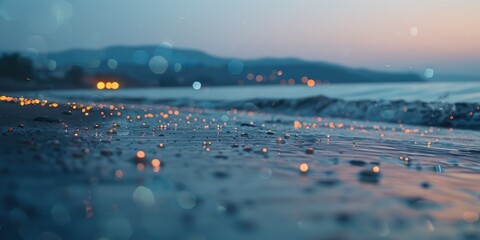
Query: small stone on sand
[309, 150]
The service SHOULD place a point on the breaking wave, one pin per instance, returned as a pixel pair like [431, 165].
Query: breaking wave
[438, 113]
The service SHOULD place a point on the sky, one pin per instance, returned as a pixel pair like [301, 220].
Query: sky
[400, 35]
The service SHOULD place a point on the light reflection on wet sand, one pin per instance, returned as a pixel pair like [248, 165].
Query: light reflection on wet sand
[157, 171]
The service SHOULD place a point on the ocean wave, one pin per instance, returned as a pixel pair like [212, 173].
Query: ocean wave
[438, 113]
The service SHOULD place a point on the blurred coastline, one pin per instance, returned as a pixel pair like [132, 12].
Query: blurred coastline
[162, 66]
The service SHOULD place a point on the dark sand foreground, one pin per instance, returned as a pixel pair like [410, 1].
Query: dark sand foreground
[158, 172]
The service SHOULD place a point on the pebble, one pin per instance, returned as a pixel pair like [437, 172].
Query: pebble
[106, 153]
[309, 150]
[220, 174]
[246, 225]
[357, 163]
[328, 182]
[344, 217]
[425, 185]
[369, 176]
[247, 149]
[78, 155]
[47, 119]
[419, 203]
[227, 207]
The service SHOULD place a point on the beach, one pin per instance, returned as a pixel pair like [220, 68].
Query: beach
[99, 170]
[239, 120]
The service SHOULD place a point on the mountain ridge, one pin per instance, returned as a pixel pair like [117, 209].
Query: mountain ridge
[162, 65]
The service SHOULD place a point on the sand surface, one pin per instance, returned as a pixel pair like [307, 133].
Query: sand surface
[213, 174]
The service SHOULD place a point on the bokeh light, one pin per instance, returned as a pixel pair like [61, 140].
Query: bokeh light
[100, 85]
[196, 85]
[303, 168]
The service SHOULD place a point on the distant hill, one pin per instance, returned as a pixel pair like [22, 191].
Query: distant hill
[166, 66]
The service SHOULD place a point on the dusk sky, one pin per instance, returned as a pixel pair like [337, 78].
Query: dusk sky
[378, 34]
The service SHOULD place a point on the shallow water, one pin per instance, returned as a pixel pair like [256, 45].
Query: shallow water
[365, 180]
[428, 91]
[445, 104]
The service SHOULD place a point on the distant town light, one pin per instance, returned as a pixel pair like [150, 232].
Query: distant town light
[311, 83]
[115, 85]
[100, 85]
[108, 85]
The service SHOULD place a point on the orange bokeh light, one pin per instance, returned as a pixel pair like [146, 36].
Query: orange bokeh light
[303, 168]
[119, 173]
[100, 85]
[108, 85]
[297, 124]
[311, 83]
[156, 163]
[140, 154]
[115, 85]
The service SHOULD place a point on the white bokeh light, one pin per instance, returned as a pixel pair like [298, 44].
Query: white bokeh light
[429, 73]
[112, 63]
[158, 64]
[197, 85]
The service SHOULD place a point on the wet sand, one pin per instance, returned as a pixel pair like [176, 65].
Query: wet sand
[158, 172]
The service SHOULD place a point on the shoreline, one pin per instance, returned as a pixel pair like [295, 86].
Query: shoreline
[151, 171]
[416, 113]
